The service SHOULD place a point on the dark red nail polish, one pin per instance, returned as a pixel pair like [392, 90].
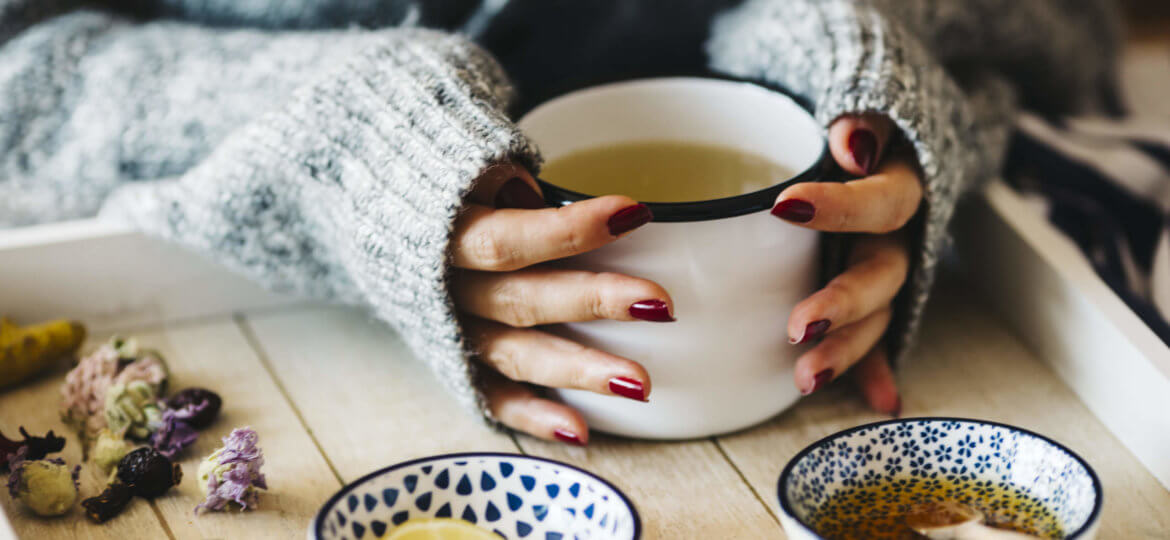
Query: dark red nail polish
[516, 193]
[794, 210]
[897, 412]
[651, 310]
[568, 437]
[628, 388]
[629, 218]
[814, 331]
[863, 146]
[820, 380]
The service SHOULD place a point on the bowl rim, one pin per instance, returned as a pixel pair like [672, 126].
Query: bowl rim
[822, 169]
[786, 506]
[317, 527]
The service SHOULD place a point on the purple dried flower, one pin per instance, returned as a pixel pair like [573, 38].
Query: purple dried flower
[241, 478]
[175, 433]
[206, 403]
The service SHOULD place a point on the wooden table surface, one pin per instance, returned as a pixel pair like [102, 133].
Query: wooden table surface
[335, 395]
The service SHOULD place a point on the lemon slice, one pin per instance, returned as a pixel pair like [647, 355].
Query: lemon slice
[439, 529]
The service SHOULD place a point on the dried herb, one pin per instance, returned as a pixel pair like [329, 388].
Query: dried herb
[46, 486]
[231, 475]
[175, 433]
[148, 473]
[34, 447]
[110, 503]
[205, 403]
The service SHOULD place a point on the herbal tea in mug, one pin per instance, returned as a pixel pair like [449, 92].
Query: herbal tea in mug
[708, 157]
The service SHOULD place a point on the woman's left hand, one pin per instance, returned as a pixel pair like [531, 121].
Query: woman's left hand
[850, 315]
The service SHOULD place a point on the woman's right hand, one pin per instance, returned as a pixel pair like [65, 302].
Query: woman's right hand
[501, 292]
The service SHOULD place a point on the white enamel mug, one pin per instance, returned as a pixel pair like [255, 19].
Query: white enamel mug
[733, 270]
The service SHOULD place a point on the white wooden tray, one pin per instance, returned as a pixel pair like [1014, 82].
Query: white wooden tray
[1037, 280]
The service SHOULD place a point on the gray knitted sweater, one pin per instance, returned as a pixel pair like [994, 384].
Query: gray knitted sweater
[324, 146]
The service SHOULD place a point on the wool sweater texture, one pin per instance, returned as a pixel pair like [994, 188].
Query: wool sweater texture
[325, 147]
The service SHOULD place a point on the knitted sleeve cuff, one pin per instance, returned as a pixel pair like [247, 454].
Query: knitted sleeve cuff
[847, 58]
[350, 190]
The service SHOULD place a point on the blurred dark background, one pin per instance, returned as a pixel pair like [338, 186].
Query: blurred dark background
[1148, 19]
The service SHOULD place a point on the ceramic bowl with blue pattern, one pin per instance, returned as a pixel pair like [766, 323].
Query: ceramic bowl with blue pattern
[515, 496]
[1012, 475]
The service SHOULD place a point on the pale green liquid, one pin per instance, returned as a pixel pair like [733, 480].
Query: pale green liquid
[664, 171]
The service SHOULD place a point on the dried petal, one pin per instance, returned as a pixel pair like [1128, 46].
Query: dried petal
[232, 473]
[205, 402]
[175, 433]
[86, 385]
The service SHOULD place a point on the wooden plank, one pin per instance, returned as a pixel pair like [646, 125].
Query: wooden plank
[681, 489]
[215, 355]
[364, 397]
[337, 363]
[969, 365]
[35, 406]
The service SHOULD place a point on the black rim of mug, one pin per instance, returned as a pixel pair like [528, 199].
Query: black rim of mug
[822, 170]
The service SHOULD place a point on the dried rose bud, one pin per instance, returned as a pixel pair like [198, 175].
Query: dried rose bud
[148, 472]
[205, 402]
[109, 504]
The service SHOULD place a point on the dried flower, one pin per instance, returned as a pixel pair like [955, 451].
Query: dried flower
[47, 487]
[175, 433]
[133, 409]
[108, 449]
[232, 473]
[148, 473]
[205, 402]
[115, 362]
[109, 504]
[30, 448]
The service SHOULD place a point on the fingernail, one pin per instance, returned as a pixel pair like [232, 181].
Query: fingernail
[820, 380]
[629, 218]
[794, 210]
[863, 146]
[651, 310]
[628, 388]
[568, 437]
[814, 331]
[516, 193]
[897, 412]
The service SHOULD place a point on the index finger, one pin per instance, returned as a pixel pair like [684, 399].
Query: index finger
[504, 240]
[880, 203]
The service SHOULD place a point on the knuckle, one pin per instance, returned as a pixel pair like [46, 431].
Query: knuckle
[508, 362]
[604, 297]
[512, 306]
[489, 252]
[572, 240]
[579, 378]
[840, 293]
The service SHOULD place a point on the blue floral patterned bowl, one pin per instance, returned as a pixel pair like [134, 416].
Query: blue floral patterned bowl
[514, 495]
[1008, 473]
